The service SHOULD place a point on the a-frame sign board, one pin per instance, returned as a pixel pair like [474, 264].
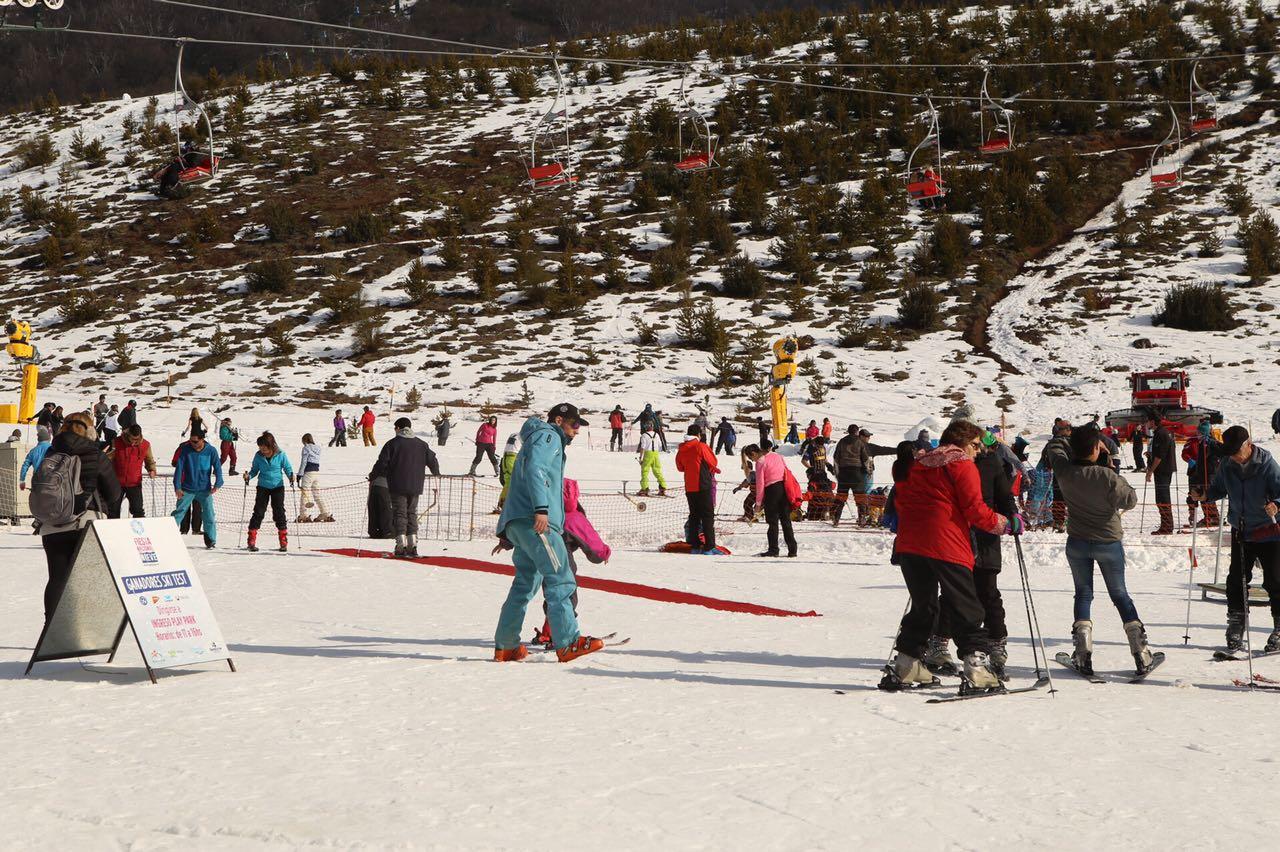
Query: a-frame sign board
[137, 574]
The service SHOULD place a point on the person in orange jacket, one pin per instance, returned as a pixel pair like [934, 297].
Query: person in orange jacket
[366, 427]
[698, 464]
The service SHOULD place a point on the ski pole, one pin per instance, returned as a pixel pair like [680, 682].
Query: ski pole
[889, 660]
[240, 526]
[1217, 552]
[1142, 515]
[1186, 630]
[1245, 570]
[1033, 617]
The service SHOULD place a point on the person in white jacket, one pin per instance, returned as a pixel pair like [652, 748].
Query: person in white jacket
[309, 467]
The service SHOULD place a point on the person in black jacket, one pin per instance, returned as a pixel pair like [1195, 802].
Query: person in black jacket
[1164, 464]
[128, 415]
[99, 489]
[403, 462]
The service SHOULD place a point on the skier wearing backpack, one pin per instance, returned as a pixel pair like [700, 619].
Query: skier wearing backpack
[771, 495]
[197, 476]
[73, 487]
[616, 421]
[271, 468]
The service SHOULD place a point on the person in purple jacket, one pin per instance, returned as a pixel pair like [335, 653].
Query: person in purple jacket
[339, 438]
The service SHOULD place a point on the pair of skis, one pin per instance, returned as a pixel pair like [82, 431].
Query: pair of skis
[1064, 659]
[1233, 657]
[937, 683]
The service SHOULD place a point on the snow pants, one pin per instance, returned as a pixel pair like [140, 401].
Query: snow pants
[615, 437]
[274, 496]
[852, 480]
[204, 500]
[227, 450]
[536, 567]
[483, 450]
[651, 461]
[1164, 500]
[404, 513]
[959, 601]
[310, 487]
[366, 432]
[777, 511]
[700, 529]
[1244, 554]
[339, 438]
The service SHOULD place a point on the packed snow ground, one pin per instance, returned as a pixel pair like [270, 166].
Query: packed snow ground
[366, 714]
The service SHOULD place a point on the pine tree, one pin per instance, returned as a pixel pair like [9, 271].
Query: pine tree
[722, 366]
[817, 390]
[120, 354]
[484, 272]
[413, 398]
[841, 378]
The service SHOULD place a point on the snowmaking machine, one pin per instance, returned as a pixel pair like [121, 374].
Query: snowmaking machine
[1164, 394]
[783, 371]
[21, 350]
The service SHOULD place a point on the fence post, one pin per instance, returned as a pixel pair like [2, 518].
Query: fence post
[471, 534]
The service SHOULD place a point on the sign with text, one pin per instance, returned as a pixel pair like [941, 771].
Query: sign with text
[134, 572]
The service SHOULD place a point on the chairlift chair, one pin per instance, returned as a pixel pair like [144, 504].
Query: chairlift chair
[701, 155]
[925, 186]
[191, 165]
[1000, 139]
[1203, 106]
[1166, 165]
[554, 168]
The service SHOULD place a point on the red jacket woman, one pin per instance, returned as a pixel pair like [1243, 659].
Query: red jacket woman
[938, 503]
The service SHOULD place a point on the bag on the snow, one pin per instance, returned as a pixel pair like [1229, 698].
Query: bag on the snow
[54, 490]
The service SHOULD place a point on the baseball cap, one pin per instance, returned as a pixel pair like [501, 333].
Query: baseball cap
[1233, 439]
[403, 423]
[866, 433]
[568, 411]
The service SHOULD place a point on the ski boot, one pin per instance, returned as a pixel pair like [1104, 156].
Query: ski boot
[1273, 641]
[1000, 658]
[643, 492]
[938, 657]
[1142, 656]
[542, 636]
[1235, 631]
[581, 647]
[411, 546]
[232, 472]
[284, 541]
[1082, 657]
[906, 672]
[325, 518]
[662, 491]
[400, 546]
[510, 655]
[304, 518]
[472, 472]
[253, 541]
[978, 675]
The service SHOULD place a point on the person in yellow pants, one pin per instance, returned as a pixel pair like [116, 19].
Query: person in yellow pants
[650, 461]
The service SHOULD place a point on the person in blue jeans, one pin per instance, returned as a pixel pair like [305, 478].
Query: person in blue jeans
[532, 521]
[1095, 495]
[197, 476]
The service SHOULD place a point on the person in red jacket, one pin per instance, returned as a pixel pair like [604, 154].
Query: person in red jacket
[130, 453]
[486, 443]
[616, 421]
[366, 427]
[698, 464]
[937, 504]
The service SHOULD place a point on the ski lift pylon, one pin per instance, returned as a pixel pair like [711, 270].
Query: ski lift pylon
[191, 165]
[555, 170]
[1000, 139]
[923, 179]
[1166, 167]
[1202, 105]
[701, 155]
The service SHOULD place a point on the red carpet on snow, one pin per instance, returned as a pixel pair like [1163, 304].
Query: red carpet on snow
[617, 587]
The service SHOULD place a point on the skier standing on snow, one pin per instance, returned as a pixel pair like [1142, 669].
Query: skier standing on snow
[1095, 495]
[771, 494]
[699, 465]
[35, 455]
[533, 520]
[197, 476]
[1164, 464]
[339, 438]
[100, 409]
[660, 429]
[650, 462]
[828, 428]
[128, 415]
[852, 461]
[309, 482]
[701, 421]
[646, 418]
[937, 504]
[130, 455]
[444, 424]
[403, 462]
[750, 454]
[195, 423]
[486, 444]
[509, 454]
[110, 427]
[616, 421]
[726, 437]
[367, 419]
[1136, 438]
[1203, 456]
[1250, 478]
[271, 468]
[763, 428]
[227, 437]
[98, 489]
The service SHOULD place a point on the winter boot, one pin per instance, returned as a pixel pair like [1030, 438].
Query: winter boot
[472, 472]
[284, 541]
[253, 541]
[938, 657]
[1166, 520]
[510, 655]
[1142, 656]
[906, 672]
[400, 546]
[411, 546]
[1235, 631]
[978, 674]
[1273, 641]
[1082, 657]
[583, 646]
[999, 658]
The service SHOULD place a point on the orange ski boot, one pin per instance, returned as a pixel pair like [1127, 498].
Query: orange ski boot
[510, 655]
[583, 646]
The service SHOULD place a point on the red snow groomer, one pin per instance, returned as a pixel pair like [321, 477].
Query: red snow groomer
[1164, 393]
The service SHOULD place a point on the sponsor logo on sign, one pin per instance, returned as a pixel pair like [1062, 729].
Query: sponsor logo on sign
[142, 599]
[156, 582]
[137, 527]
